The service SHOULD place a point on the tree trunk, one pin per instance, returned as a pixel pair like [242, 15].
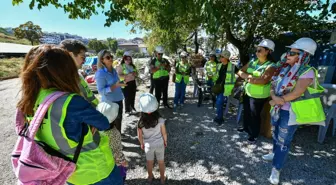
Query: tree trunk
[196, 43]
[242, 46]
[32, 42]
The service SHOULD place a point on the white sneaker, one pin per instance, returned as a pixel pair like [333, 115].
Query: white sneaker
[274, 178]
[268, 157]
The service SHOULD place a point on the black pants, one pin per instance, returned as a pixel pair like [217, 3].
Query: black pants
[118, 120]
[252, 114]
[129, 93]
[161, 88]
[152, 85]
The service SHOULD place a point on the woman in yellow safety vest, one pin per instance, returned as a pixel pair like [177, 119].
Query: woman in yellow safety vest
[53, 69]
[182, 71]
[127, 73]
[296, 99]
[257, 75]
[210, 68]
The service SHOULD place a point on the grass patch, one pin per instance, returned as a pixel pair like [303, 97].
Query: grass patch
[11, 39]
[10, 67]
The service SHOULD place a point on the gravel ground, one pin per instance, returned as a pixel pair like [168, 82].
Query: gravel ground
[199, 151]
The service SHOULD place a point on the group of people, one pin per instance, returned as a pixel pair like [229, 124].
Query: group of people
[290, 86]
[78, 119]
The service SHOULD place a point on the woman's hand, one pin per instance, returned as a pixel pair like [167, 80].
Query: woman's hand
[142, 146]
[165, 143]
[272, 103]
[278, 100]
[118, 84]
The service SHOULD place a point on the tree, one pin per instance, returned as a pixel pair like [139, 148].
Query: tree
[112, 44]
[120, 52]
[29, 31]
[97, 45]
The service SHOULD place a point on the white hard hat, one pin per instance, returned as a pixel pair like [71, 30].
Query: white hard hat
[183, 54]
[267, 44]
[148, 103]
[128, 53]
[305, 44]
[159, 49]
[109, 110]
[226, 54]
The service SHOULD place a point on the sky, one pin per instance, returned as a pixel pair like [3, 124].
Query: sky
[51, 19]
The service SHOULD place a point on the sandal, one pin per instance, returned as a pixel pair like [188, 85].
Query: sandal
[165, 180]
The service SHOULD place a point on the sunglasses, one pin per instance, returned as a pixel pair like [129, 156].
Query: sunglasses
[108, 57]
[292, 53]
[160, 53]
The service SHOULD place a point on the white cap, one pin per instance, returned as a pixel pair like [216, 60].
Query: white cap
[226, 54]
[306, 44]
[109, 110]
[183, 54]
[267, 44]
[159, 49]
[148, 103]
[127, 53]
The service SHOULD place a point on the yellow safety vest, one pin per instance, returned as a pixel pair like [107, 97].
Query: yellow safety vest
[308, 108]
[125, 72]
[257, 90]
[211, 70]
[230, 78]
[183, 68]
[95, 162]
[87, 93]
[161, 72]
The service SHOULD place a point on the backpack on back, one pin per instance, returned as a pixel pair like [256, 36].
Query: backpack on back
[34, 162]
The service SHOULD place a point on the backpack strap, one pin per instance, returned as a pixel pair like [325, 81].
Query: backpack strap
[41, 111]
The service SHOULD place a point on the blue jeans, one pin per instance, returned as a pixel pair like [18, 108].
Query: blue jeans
[219, 107]
[180, 89]
[114, 178]
[282, 138]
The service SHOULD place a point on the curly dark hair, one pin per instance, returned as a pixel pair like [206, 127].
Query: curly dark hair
[148, 120]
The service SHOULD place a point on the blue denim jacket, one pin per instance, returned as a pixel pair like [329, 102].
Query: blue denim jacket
[104, 80]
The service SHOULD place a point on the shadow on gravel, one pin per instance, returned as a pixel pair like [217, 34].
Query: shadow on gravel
[198, 149]
[176, 182]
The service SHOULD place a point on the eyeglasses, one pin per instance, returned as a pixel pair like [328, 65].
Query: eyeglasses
[160, 53]
[109, 57]
[292, 53]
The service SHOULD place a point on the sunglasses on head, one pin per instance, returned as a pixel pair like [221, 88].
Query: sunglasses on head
[109, 57]
[292, 53]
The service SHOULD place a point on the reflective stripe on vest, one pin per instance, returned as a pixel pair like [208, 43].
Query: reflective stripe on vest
[308, 108]
[95, 162]
[211, 69]
[161, 72]
[87, 93]
[183, 68]
[257, 90]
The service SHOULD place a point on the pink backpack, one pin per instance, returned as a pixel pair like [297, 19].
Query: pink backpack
[34, 162]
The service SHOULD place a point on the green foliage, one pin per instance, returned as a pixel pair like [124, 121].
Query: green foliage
[120, 52]
[112, 44]
[29, 31]
[97, 45]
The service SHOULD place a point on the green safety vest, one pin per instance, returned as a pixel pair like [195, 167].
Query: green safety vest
[230, 78]
[95, 161]
[125, 72]
[308, 108]
[211, 69]
[257, 90]
[183, 68]
[87, 93]
[161, 72]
